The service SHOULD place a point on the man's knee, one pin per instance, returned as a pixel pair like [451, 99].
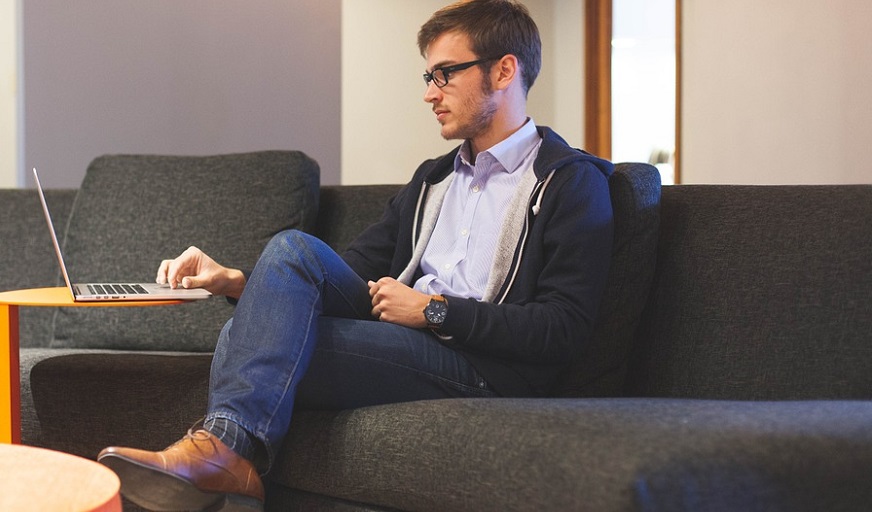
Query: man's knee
[292, 241]
[289, 238]
[294, 247]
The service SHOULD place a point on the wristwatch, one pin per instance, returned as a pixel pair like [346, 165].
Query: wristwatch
[436, 311]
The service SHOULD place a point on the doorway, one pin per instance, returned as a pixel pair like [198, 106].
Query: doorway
[632, 91]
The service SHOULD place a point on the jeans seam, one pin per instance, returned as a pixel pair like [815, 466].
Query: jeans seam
[289, 379]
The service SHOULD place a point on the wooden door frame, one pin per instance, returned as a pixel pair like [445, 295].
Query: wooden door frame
[598, 77]
[598, 80]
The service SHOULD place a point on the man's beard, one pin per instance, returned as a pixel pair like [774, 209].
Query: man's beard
[484, 111]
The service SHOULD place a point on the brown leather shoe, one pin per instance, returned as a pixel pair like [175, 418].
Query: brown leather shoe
[199, 472]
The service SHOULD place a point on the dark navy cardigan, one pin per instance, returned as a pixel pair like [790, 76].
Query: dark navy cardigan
[545, 311]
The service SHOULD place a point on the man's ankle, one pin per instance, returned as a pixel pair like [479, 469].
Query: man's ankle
[241, 441]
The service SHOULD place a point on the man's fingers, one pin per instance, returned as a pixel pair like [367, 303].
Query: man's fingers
[162, 272]
[191, 269]
[173, 272]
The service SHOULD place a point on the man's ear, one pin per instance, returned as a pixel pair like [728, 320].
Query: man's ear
[506, 71]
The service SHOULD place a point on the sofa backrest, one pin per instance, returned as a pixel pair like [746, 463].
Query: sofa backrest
[133, 211]
[761, 293]
[27, 259]
[346, 210]
[601, 367]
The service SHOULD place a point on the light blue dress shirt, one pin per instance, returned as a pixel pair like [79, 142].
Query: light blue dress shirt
[460, 253]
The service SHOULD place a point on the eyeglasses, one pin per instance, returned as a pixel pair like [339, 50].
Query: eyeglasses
[439, 76]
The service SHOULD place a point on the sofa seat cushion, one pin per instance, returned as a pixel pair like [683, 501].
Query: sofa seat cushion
[82, 400]
[133, 211]
[585, 454]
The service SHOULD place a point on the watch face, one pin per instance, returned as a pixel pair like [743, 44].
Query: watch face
[435, 312]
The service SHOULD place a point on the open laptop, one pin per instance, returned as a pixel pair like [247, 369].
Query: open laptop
[113, 291]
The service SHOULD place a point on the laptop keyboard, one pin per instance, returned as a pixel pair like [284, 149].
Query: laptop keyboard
[117, 289]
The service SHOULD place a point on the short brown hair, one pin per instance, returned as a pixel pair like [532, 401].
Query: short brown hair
[495, 27]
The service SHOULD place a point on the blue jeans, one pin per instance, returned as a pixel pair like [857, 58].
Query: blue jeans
[306, 312]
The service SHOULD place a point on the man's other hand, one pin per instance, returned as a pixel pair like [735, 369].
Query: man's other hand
[394, 302]
[194, 269]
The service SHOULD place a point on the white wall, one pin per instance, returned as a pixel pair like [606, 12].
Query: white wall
[199, 77]
[192, 77]
[777, 91]
[388, 130]
[8, 94]
[566, 60]
[774, 91]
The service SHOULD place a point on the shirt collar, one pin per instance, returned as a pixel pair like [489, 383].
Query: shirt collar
[510, 152]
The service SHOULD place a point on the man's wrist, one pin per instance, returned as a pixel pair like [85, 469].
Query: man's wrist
[436, 311]
[235, 283]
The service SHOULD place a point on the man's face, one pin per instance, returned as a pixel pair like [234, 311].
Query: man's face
[465, 107]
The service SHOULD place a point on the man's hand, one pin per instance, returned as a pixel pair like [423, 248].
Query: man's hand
[194, 269]
[394, 302]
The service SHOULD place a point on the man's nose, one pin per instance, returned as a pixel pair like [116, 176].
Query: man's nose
[433, 93]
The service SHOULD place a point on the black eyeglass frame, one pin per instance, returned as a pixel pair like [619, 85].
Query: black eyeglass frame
[447, 70]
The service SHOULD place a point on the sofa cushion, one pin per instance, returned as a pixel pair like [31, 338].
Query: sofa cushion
[601, 366]
[761, 293]
[87, 399]
[133, 211]
[585, 454]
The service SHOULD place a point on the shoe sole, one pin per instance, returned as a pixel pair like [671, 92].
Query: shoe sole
[164, 492]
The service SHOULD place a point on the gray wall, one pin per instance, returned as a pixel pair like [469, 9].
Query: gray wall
[179, 77]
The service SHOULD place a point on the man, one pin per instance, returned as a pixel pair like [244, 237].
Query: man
[484, 275]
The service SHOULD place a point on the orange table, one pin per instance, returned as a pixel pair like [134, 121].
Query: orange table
[10, 385]
[38, 479]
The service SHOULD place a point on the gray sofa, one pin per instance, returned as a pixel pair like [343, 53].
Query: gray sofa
[730, 369]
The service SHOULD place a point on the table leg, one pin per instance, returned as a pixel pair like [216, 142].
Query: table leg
[10, 370]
